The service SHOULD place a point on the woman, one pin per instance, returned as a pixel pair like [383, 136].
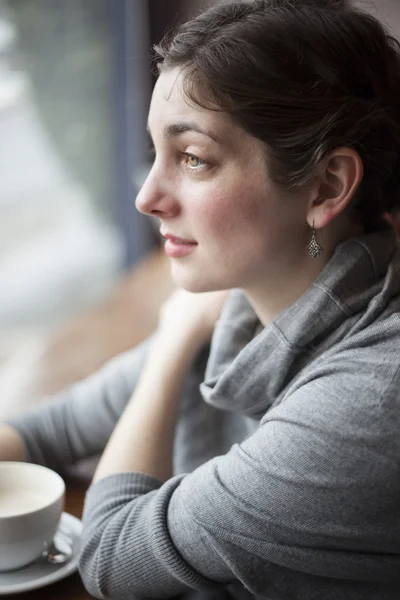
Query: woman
[276, 126]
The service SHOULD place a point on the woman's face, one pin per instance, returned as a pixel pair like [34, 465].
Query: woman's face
[209, 185]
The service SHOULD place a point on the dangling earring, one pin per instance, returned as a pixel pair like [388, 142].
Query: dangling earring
[314, 249]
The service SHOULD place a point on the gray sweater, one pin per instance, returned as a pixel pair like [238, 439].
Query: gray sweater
[287, 452]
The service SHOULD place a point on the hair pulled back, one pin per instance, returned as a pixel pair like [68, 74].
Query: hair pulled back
[305, 77]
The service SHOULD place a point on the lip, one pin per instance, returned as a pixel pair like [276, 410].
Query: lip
[175, 247]
[176, 239]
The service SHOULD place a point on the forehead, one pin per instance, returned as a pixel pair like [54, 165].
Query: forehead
[169, 106]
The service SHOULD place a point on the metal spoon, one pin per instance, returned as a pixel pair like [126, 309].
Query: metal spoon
[55, 556]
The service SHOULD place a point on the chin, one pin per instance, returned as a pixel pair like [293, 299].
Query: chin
[196, 287]
[195, 283]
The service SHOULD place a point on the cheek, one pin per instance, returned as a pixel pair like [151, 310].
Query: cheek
[235, 212]
[210, 212]
[217, 214]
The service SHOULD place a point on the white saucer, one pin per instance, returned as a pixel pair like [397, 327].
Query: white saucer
[42, 573]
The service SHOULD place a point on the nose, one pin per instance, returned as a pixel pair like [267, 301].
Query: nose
[155, 197]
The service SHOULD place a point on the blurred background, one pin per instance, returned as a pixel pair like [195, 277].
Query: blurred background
[75, 84]
[81, 272]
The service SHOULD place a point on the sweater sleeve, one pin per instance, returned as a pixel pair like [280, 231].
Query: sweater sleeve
[310, 501]
[77, 423]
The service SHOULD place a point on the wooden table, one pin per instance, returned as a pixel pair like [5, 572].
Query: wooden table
[70, 588]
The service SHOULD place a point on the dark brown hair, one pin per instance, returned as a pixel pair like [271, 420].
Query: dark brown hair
[305, 77]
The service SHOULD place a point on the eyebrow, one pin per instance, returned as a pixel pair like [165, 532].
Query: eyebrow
[176, 129]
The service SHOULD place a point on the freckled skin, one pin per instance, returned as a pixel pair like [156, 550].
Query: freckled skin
[249, 234]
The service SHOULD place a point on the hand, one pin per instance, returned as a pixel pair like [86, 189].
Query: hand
[11, 444]
[191, 317]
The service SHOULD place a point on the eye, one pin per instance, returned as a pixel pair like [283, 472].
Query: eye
[194, 162]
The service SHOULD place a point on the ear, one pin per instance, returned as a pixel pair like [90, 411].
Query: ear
[339, 176]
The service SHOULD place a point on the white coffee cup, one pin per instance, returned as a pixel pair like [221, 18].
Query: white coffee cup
[31, 503]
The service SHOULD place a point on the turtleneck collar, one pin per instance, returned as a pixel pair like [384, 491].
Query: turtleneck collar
[247, 371]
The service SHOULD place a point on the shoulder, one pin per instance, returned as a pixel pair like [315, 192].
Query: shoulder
[351, 390]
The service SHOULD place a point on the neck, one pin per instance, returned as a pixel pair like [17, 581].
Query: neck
[271, 295]
[268, 300]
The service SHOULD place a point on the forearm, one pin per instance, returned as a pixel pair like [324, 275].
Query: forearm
[78, 422]
[143, 439]
[11, 444]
